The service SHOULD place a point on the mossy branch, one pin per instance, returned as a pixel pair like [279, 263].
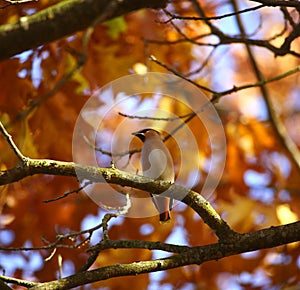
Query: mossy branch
[63, 19]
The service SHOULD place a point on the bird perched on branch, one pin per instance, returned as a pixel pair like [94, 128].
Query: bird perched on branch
[157, 164]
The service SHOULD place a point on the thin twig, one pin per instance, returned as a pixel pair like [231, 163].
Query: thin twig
[107, 217]
[108, 153]
[154, 59]
[20, 282]
[68, 193]
[168, 119]
[120, 210]
[72, 236]
[197, 18]
[259, 83]
[11, 143]
[203, 65]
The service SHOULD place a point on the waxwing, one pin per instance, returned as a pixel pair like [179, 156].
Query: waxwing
[157, 163]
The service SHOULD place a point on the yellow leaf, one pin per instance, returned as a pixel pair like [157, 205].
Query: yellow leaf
[285, 215]
[240, 212]
[116, 26]
[140, 68]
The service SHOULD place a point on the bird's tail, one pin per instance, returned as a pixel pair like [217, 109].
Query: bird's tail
[163, 205]
[164, 217]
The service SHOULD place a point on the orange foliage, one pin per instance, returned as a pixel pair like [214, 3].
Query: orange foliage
[252, 147]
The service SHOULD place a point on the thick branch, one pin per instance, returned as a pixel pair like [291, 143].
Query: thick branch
[28, 166]
[138, 244]
[111, 175]
[61, 20]
[4, 286]
[267, 238]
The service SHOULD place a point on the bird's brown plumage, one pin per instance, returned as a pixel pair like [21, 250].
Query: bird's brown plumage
[157, 163]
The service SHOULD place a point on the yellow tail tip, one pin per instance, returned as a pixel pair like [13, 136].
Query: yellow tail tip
[164, 218]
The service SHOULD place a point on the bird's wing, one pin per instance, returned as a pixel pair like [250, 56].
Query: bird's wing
[156, 165]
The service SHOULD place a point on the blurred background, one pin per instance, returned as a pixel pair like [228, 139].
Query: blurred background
[245, 62]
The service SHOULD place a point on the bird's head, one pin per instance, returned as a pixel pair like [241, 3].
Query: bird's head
[144, 133]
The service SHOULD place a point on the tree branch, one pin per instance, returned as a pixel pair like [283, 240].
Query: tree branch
[4, 286]
[112, 175]
[63, 19]
[28, 167]
[225, 39]
[11, 143]
[138, 244]
[195, 18]
[266, 238]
